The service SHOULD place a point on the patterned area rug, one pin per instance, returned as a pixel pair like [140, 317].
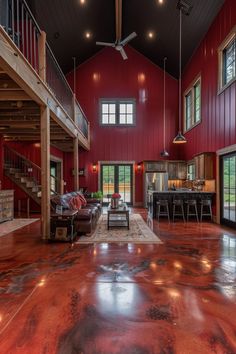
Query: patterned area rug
[139, 232]
[13, 225]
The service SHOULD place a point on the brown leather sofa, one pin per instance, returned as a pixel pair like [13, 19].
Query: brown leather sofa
[87, 216]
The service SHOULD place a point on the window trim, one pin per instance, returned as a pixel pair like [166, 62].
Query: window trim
[230, 38]
[191, 89]
[117, 102]
[191, 163]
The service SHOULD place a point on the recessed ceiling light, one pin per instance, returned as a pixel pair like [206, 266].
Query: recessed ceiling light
[161, 2]
[88, 34]
[150, 34]
[82, 2]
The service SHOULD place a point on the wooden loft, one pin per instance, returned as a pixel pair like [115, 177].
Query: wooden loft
[36, 102]
[19, 82]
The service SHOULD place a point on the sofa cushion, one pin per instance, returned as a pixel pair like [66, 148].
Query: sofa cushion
[83, 214]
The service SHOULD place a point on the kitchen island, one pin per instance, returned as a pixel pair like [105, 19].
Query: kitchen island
[153, 196]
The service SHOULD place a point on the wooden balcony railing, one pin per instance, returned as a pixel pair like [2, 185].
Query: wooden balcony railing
[21, 26]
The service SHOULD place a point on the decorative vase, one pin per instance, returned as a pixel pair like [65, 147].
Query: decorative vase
[114, 203]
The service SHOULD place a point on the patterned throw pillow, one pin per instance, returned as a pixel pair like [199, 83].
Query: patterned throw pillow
[82, 199]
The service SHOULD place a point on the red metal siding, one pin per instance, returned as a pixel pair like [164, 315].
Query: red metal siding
[107, 75]
[218, 128]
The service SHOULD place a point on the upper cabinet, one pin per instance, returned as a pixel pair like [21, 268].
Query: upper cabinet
[204, 165]
[157, 166]
[177, 170]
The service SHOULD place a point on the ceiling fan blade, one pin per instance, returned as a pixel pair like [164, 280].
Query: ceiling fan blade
[106, 44]
[123, 54]
[127, 39]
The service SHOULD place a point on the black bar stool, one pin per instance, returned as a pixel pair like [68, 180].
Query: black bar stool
[206, 203]
[165, 208]
[178, 203]
[192, 204]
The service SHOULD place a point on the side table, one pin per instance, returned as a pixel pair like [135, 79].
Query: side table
[62, 226]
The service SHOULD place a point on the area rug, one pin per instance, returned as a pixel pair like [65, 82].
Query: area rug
[13, 225]
[139, 232]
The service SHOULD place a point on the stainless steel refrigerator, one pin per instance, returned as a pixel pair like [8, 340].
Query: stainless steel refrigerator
[154, 181]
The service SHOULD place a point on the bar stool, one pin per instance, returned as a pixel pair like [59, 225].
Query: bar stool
[180, 205]
[192, 203]
[165, 206]
[207, 204]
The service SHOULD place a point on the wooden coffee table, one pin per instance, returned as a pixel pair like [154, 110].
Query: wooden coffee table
[118, 217]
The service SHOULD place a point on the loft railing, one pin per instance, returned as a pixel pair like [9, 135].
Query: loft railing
[81, 120]
[20, 24]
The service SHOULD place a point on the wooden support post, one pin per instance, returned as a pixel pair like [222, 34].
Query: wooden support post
[28, 208]
[42, 56]
[76, 164]
[45, 172]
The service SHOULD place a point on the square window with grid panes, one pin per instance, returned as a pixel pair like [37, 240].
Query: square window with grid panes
[126, 113]
[108, 113]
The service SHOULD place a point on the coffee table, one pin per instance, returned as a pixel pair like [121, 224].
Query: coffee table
[118, 217]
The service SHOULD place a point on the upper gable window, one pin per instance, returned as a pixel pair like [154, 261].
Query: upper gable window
[117, 112]
[227, 64]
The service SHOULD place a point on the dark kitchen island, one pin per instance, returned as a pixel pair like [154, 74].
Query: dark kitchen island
[154, 196]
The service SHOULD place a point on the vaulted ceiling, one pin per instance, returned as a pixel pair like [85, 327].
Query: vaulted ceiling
[67, 21]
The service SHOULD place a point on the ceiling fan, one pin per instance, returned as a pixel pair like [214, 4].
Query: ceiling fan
[119, 44]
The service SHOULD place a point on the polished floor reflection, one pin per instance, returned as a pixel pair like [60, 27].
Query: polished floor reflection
[176, 297]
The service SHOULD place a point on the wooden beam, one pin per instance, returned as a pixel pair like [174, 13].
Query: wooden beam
[118, 20]
[76, 163]
[45, 172]
[14, 95]
[42, 56]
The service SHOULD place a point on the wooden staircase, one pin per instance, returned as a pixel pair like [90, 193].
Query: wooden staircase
[24, 173]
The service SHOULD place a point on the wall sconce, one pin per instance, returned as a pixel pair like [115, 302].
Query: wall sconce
[94, 167]
[139, 168]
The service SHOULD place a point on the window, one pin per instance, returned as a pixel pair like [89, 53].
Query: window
[227, 64]
[192, 104]
[117, 112]
[191, 172]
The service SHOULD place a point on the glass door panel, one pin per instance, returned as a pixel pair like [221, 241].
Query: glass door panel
[228, 197]
[108, 182]
[125, 183]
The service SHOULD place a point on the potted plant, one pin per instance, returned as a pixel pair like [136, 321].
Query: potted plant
[97, 195]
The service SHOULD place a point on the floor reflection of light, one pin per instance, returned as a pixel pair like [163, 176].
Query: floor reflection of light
[178, 265]
[206, 265]
[192, 303]
[153, 266]
[42, 282]
[174, 293]
[158, 282]
[104, 246]
[139, 250]
[117, 297]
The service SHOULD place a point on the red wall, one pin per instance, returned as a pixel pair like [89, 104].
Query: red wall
[1, 161]
[107, 75]
[218, 126]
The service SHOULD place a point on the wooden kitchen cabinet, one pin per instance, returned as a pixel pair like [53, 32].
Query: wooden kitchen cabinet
[177, 170]
[157, 166]
[204, 165]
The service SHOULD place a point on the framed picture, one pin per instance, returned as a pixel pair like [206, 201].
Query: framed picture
[81, 172]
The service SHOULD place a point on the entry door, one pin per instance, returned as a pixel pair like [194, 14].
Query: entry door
[228, 190]
[117, 178]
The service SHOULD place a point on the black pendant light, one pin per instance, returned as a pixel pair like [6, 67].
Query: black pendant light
[180, 139]
[164, 153]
